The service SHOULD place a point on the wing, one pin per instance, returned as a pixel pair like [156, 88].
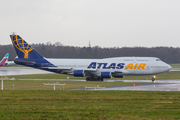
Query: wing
[68, 70]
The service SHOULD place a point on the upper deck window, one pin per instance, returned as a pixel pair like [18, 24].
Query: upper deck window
[127, 60]
[158, 60]
[142, 60]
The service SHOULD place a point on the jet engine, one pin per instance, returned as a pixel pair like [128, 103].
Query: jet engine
[106, 75]
[79, 73]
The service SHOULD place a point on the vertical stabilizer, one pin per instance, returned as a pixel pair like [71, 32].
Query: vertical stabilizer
[23, 49]
[4, 60]
[27, 55]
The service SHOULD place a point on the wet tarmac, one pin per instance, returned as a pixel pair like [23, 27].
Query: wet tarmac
[160, 85]
[5, 71]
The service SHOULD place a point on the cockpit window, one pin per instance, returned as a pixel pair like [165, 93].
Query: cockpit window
[158, 60]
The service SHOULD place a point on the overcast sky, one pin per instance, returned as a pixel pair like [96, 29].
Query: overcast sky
[105, 23]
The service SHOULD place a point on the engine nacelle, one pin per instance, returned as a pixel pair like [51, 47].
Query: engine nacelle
[106, 75]
[79, 73]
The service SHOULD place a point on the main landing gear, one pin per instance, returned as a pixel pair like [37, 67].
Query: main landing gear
[94, 79]
[153, 78]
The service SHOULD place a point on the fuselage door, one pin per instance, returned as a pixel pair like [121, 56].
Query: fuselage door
[74, 65]
[147, 67]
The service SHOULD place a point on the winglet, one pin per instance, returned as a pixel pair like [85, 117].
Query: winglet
[23, 49]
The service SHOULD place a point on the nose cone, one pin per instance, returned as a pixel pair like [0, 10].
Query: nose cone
[169, 67]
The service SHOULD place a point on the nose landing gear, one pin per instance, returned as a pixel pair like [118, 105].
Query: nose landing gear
[153, 78]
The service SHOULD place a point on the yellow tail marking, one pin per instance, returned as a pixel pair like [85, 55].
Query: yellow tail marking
[23, 47]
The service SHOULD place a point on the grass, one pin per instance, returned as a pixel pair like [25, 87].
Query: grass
[90, 105]
[32, 100]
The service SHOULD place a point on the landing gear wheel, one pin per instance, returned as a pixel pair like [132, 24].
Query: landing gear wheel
[90, 78]
[87, 79]
[98, 79]
[153, 80]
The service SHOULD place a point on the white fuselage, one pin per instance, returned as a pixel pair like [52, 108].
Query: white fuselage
[121, 65]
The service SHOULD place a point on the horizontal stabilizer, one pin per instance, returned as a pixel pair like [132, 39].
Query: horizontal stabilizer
[57, 68]
[24, 62]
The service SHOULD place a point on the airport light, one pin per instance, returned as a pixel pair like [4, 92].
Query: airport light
[5, 78]
[2, 84]
[54, 84]
[154, 76]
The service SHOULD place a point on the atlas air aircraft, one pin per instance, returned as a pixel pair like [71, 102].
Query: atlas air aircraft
[92, 69]
[5, 62]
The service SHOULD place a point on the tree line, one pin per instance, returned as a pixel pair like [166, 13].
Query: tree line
[166, 54]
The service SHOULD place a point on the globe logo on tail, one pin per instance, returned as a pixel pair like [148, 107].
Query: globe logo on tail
[21, 45]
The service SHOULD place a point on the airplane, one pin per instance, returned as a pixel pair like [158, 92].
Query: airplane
[5, 62]
[92, 69]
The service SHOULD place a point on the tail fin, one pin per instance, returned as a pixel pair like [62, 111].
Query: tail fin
[4, 60]
[23, 49]
[27, 55]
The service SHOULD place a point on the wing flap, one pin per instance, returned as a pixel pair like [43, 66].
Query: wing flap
[69, 68]
[121, 71]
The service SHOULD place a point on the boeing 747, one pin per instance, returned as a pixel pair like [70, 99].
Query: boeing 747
[92, 69]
